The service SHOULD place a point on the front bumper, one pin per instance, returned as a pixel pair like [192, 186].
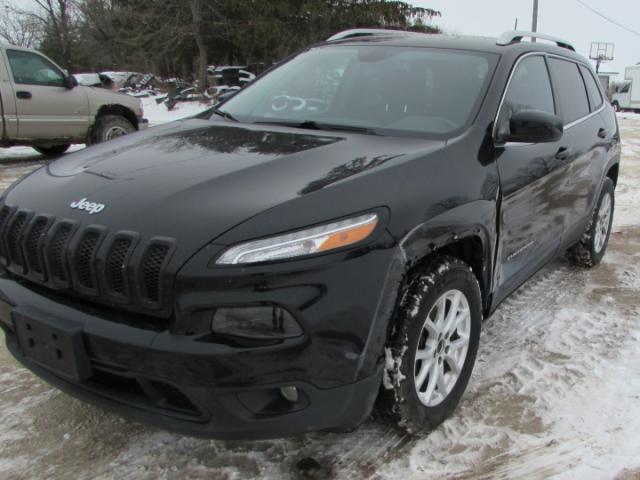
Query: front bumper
[169, 377]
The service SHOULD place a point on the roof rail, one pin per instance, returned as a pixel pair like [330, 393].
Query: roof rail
[516, 36]
[368, 32]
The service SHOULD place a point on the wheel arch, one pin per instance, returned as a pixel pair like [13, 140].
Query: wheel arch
[613, 172]
[117, 109]
[454, 234]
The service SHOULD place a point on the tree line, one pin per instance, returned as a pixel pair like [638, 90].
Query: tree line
[181, 37]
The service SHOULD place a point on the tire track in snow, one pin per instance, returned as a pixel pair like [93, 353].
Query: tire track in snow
[546, 338]
[534, 301]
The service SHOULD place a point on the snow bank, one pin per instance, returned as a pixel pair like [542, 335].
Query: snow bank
[158, 114]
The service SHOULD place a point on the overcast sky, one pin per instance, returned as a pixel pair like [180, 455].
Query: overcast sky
[563, 18]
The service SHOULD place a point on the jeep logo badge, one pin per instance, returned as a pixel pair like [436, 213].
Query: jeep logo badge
[90, 207]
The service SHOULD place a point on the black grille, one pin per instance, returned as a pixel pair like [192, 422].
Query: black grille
[152, 264]
[116, 268]
[13, 239]
[32, 246]
[84, 260]
[57, 253]
[65, 256]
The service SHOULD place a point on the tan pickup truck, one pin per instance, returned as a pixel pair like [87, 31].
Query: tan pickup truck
[45, 108]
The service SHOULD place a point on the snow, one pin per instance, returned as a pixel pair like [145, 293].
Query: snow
[628, 115]
[555, 392]
[158, 114]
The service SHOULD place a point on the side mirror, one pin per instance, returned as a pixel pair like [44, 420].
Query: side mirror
[534, 126]
[70, 82]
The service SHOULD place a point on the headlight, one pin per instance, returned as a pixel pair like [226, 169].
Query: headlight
[303, 242]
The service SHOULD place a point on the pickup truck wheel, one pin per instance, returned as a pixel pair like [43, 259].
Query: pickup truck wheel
[588, 252]
[52, 150]
[434, 345]
[109, 127]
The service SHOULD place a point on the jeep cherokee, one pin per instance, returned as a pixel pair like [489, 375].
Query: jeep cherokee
[332, 234]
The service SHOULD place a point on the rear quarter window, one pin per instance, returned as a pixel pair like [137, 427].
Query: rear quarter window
[572, 93]
[595, 96]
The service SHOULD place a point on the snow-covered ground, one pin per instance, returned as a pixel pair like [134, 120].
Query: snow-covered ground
[556, 393]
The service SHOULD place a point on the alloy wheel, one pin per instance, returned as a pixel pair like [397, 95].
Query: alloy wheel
[603, 222]
[442, 348]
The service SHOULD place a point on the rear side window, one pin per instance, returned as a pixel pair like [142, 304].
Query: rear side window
[572, 93]
[529, 89]
[595, 97]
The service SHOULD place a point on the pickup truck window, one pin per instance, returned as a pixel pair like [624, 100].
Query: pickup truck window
[32, 69]
[529, 89]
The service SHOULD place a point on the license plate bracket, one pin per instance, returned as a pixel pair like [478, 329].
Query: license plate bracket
[53, 343]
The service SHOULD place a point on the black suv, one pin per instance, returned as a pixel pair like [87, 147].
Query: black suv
[332, 234]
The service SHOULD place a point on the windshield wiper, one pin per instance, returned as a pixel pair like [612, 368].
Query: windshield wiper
[224, 114]
[313, 125]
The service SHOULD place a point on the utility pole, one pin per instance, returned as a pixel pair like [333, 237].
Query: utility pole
[534, 22]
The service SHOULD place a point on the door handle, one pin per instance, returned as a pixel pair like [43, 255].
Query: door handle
[564, 153]
[603, 133]
[23, 94]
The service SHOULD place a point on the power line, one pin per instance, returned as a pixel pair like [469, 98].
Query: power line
[607, 18]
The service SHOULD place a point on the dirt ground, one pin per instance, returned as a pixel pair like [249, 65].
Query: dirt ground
[556, 392]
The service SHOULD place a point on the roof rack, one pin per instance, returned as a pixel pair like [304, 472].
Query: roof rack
[516, 36]
[369, 32]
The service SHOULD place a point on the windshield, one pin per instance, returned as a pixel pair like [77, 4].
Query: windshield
[378, 88]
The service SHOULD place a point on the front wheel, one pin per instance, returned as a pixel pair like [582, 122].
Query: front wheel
[109, 127]
[588, 252]
[52, 150]
[434, 345]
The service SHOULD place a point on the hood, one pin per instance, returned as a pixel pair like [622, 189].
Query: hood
[196, 179]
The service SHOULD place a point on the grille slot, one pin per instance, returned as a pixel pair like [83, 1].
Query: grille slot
[116, 267]
[13, 239]
[57, 253]
[32, 246]
[84, 260]
[5, 213]
[152, 264]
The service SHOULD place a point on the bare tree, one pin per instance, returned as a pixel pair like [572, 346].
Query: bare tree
[17, 29]
[59, 17]
[196, 19]
[54, 20]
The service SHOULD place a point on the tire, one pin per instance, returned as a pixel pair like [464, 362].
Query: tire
[52, 150]
[109, 127]
[445, 280]
[588, 252]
